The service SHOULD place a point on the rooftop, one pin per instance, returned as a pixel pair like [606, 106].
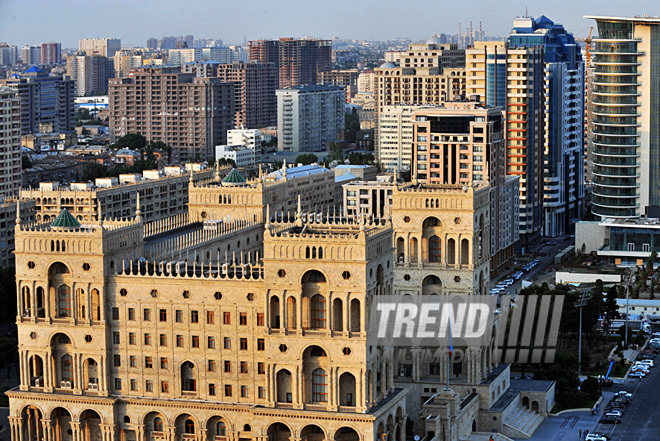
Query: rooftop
[638, 18]
[65, 219]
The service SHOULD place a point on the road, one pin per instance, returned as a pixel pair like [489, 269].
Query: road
[641, 420]
[535, 273]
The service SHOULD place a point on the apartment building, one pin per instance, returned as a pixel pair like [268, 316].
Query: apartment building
[51, 53]
[428, 74]
[162, 194]
[346, 78]
[624, 115]
[255, 99]
[299, 61]
[462, 143]
[309, 116]
[44, 100]
[514, 80]
[10, 143]
[564, 138]
[196, 112]
[90, 73]
[395, 136]
[106, 47]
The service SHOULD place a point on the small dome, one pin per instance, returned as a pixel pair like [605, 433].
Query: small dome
[233, 178]
[65, 219]
[387, 66]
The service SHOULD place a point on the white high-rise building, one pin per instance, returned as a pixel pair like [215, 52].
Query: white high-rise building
[309, 116]
[102, 46]
[395, 134]
[10, 143]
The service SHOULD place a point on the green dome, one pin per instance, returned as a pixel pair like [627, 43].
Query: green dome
[65, 219]
[234, 177]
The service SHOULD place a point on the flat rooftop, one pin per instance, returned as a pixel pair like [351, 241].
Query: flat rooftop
[638, 18]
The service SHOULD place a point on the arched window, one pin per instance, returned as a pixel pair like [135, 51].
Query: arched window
[318, 312]
[221, 429]
[319, 386]
[67, 368]
[434, 249]
[158, 424]
[64, 301]
[189, 426]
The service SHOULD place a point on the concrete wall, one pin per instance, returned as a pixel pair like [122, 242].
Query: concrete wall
[574, 277]
[591, 234]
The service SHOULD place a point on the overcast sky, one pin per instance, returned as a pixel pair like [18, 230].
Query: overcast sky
[67, 21]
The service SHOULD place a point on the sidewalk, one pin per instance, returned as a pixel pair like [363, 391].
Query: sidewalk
[567, 426]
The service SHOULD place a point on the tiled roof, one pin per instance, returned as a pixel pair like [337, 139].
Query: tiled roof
[234, 177]
[65, 219]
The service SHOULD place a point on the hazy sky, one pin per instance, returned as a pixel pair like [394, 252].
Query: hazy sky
[67, 21]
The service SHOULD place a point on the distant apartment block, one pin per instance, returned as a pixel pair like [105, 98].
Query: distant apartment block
[256, 83]
[299, 61]
[395, 136]
[428, 73]
[102, 46]
[51, 53]
[248, 137]
[44, 100]
[514, 80]
[90, 73]
[346, 78]
[241, 155]
[31, 54]
[365, 81]
[8, 54]
[309, 116]
[10, 143]
[195, 112]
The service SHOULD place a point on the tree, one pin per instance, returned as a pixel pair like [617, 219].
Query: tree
[360, 158]
[93, 170]
[133, 141]
[306, 158]
[336, 152]
[352, 120]
[226, 161]
[8, 294]
[611, 309]
[26, 162]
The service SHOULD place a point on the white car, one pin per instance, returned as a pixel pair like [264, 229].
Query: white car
[595, 437]
[649, 363]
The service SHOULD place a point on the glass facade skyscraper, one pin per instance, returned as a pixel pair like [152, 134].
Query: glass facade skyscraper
[563, 144]
[626, 117]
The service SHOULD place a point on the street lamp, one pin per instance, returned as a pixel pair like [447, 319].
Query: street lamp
[582, 301]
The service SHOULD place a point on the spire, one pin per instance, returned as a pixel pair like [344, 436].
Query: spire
[217, 171]
[284, 168]
[260, 173]
[18, 212]
[99, 215]
[299, 222]
[395, 175]
[190, 182]
[267, 216]
[138, 213]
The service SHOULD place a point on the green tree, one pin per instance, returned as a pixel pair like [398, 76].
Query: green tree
[133, 141]
[226, 162]
[352, 120]
[26, 163]
[306, 158]
[360, 158]
[611, 309]
[93, 170]
[336, 152]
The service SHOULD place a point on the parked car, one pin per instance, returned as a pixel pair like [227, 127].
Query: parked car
[606, 382]
[637, 374]
[623, 393]
[610, 420]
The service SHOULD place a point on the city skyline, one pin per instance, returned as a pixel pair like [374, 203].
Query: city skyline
[258, 19]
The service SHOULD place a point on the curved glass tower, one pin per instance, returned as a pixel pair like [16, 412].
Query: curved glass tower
[625, 115]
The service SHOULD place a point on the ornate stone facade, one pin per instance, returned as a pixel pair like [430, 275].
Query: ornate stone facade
[241, 332]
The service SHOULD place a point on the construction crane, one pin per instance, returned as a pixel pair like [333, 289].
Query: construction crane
[587, 42]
